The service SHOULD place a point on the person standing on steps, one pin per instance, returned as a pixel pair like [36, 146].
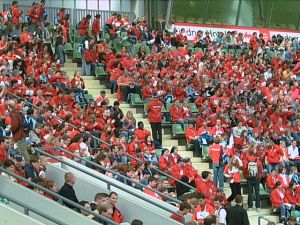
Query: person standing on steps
[154, 109]
[214, 152]
[237, 215]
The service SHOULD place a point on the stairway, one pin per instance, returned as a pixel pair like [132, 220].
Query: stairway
[94, 87]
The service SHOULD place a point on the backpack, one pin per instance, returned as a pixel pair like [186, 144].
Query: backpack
[252, 170]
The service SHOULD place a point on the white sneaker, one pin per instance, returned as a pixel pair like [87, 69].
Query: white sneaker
[257, 209]
[250, 209]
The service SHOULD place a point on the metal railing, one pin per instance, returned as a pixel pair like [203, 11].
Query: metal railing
[56, 117]
[163, 173]
[108, 182]
[100, 140]
[55, 195]
[76, 14]
[28, 208]
[260, 218]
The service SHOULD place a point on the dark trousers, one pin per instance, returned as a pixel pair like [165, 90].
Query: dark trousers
[126, 90]
[156, 131]
[197, 151]
[235, 190]
[253, 184]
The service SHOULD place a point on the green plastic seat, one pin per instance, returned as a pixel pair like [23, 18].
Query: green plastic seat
[68, 47]
[89, 97]
[177, 130]
[194, 108]
[205, 151]
[198, 50]
[158, 152]
[147, 49]
[76, 54]
[262, 190]
[136, 99]
[238, 52]
[100, 72]
[231, 51]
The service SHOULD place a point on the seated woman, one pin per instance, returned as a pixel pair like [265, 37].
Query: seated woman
[278, 202]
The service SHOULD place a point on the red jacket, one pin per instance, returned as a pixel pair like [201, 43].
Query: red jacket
[273, 155]
[176, 113]
[290, 197]
[16, 14]
[234, 172]
[189, 171]
[33, 15]
[152, 193]
[154, 111]
[190, 134]
[215, 152]
[84, 27]
[277, 198]
[88, 57]
[250, 158]
[271, 181]
[117, 216]
[200, 211]
[141, 134]
[284, 180]
[177, 218]
[177, 171]
[3, 153]
[164, 163]
[96, 27]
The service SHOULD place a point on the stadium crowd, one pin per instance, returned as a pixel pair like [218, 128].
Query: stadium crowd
[247, 95]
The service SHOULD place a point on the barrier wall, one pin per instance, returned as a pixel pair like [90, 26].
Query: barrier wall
[133, 207]
[191, 31]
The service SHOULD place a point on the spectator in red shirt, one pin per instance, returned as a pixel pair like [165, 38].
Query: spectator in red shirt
[84, 25]
[4, 145]
[16, 14]
[96, 28]
[184, 209]
[203, 210]
[271, 179]
[154, 109]
[177, 113]
[32, 13]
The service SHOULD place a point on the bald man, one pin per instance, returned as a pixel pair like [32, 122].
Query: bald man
[17, 129]
[67, 190]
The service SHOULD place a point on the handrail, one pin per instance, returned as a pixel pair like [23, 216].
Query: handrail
[107, 181]
[163, 173]
[36, 211]
[263, 218]
[56, 117]
[55, 195]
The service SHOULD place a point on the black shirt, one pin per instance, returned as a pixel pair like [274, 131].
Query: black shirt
[68, 192]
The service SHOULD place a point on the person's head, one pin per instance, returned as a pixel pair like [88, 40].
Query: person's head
[174, 150]
[152, 182]
[281, 170]
[210, 220]
[292, 221]
[238, 199]
[88, 16]
[101, 198]
[106, 210]
[294, 143]
[35, 162]
[5, 142]
[113, 198]
[206, 175]
[191, 223]
[201, 199]
[70, 179]
[140, 125]
[51, 185]
[9, 165]
[137, 222]
[86, 205]
[185, 208]
[165, 152]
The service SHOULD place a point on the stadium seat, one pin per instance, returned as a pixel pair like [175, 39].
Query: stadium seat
[177, 130]
[88, 97]
[68, 47]
[194, 108]
[136, 100]
[100, 72]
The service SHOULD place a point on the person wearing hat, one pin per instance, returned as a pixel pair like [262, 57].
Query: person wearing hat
[96, 27]
[154, 109]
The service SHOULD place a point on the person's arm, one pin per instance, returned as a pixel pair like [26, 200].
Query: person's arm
[245, 219]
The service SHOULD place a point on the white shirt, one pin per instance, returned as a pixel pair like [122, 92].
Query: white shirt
[293, 152]
[221, 215]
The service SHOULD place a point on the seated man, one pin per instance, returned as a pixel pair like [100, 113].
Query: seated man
[67, 190]
[192, 138]
[177, 113]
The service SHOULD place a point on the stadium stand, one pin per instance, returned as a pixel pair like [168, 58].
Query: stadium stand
[117, 121]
